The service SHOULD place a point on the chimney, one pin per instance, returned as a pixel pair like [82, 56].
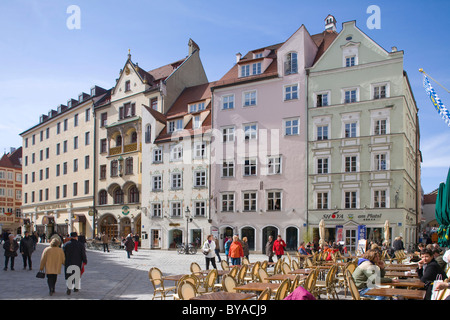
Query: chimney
[394, 49]
[238, 57]
[192, 46]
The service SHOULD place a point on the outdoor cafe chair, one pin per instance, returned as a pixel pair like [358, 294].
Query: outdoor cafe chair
[229, 284]
[328, 286]
[285, 268]
[295, 283]
[195, 268]
[266, 294]
[254, 273]
[263, 275]
[208, 284]
[189, 278]
[224, 265]
[310, 281]
[155, 277]
[186, 291]
[352, 286]
[295, 265]
[241, 274]
[264, 264]
[234, 271]
[282, 290]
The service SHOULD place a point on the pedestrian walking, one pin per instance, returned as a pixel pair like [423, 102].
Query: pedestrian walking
[26, 248]
[217, 249]
[227, 248]
[11, 246]
[236, 251]
[52, 259]
[105, 240]
[75, 255]
[269, 248]
[278, 247]
[209, 248]
[136, 242]
[245, 248]
[129, 245]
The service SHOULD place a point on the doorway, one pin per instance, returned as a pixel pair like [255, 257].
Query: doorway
[249, 232]
[155, 239]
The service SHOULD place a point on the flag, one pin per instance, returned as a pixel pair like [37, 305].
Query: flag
[437, 103]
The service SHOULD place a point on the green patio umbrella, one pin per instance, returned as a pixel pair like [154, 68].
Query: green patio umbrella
[442, 212]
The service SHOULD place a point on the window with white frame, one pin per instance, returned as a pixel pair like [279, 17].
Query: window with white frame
[200, 208]
[274, 200]
[200, 178]
[228, 134]
[175, 209]
[156, 209]
[291, 63]
[176, 152]
[175, 125]
[350, 129]
[380, 127]
[274, 165]
[380, 162]
[228, 102]
[228, 168]
[256, 68]
[291, 92]
[322, 99]
[176, 180]
[196, 122]
[249, 98]
[350, 163]
[157, 155]
[291, 127]
[380, 90]
[228, 201]
[156, 183]
[249, 200]
[350, 95]
[250, 131]
[322, 132]
[245, 70]
[195, 107]
[250, 167]
[350, 61]
[350, 199]
[322, 165]
[322, 200]
[379, 198]
[199, 150]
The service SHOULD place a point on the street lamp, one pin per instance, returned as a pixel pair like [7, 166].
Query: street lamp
[188, 218]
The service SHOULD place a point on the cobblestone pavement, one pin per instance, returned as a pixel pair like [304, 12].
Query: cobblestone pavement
[108, 275]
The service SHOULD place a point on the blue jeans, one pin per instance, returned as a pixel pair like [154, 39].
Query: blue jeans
[235, 261]
[363, 291]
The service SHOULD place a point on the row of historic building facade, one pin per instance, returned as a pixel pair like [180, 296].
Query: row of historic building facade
[320, 126]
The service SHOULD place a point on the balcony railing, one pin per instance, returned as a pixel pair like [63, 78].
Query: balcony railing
[127, 148]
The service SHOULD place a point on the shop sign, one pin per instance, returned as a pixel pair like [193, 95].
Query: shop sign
[362, 231]
[339, 233]
[370, 217]
[333, 217]
[125, 210]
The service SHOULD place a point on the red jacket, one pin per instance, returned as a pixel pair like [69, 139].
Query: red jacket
[236, 250]
[278, 247]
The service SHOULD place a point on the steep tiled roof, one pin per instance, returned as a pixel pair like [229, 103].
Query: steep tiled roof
[12, 160]
[323, 41]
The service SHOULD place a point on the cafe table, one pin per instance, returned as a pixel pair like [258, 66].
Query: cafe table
[301, 271]
[257, 286]
[391, 292]
[281, 277]
[222, 295]
[405, 274]
[400, 267]
[409, 283]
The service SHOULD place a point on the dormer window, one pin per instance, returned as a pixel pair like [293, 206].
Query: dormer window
[195, 107]
[80, 97]
[175, 125]
[258, 55]
[245, 70]
[251, 69]
[291, 64]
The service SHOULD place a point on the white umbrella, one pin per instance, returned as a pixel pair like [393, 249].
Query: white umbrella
[386, 231]
[321, 232]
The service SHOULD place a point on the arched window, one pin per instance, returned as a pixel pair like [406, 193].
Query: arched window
[133, 195]
[134, 137]
[103, 197]
[118, 196]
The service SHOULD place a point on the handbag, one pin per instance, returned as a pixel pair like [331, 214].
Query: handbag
[434, 293]
[205, 252]
[40, 274]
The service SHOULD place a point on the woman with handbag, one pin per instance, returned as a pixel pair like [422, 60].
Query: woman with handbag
[208, 250]
[52, 260]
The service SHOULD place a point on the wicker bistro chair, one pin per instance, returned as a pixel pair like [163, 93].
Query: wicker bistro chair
[155, 277]
[186, 290]
[328, 286]
[342, 278]
[234, 272]
[264, 264]
[310, 281]
[352, 286]
[295, 283]
[266, 294]
[189, 278]
[241, 274]
[195, 268]
[253, 277]
[285, 268]
[208, 283]
[262, 276]
[224, 265]
[283, 289]
[295, 265]
[228, 284]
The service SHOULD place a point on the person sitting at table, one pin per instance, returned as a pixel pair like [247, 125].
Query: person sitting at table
[369, 272]
[428, 270]
[236, 251]
[439, 257]
[442, 286]
[302, 249]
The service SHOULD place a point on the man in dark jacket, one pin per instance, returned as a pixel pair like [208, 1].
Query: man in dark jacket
[10, 247]
[398, 244]
[428, 270]
[75, 254]
[26, 249]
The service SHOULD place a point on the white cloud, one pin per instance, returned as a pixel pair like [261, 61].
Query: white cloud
[436, 151]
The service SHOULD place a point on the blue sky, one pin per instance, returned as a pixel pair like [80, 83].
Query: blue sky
[45, 63]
